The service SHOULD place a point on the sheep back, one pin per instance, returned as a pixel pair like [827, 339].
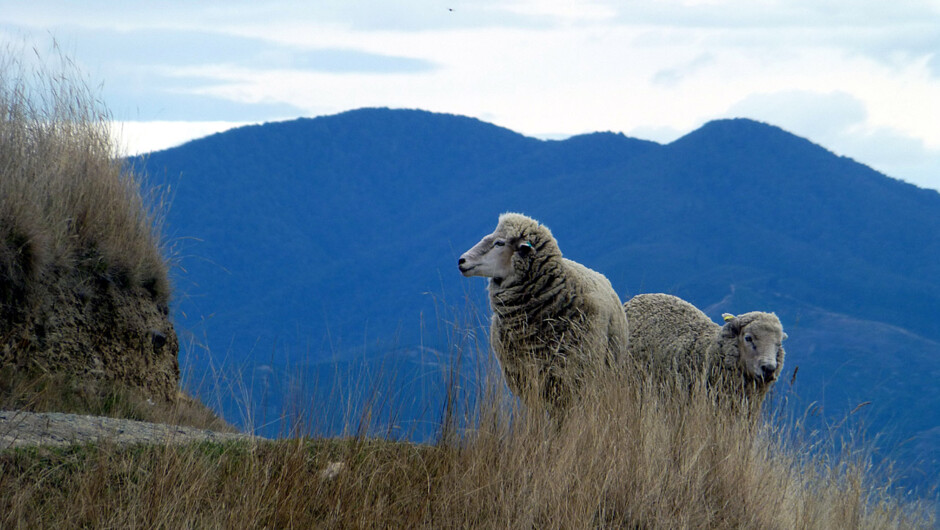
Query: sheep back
[669, 337]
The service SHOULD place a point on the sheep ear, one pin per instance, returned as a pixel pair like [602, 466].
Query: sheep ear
[732, 326]
[785, 336]
[525, 248]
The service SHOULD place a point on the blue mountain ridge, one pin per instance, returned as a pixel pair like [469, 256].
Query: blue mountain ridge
[314, 244]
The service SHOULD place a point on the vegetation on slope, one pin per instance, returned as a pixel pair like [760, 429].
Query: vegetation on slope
[66, 201]
[84, 288]
[633, 456]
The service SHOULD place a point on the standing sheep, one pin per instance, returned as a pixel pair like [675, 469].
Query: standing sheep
[555, 322]
[677, 340]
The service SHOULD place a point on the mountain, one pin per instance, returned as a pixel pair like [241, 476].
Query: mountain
[316, 243]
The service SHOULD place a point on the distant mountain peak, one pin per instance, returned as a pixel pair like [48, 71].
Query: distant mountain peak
[740, 122]
[741, 128]
[747, 141]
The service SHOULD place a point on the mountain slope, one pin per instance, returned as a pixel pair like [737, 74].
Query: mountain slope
[739, 201]
[335, 239]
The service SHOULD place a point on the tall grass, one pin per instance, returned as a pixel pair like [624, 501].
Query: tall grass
[629, 456]
[78, 238]
[66, 201]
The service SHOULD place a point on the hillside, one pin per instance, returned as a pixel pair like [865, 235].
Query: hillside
[333, 240]
[635, 458]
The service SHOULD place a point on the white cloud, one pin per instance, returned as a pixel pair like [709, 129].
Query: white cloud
[663, 135]
[822, 115]
[672, 76]
[139, 137]
[564, 11]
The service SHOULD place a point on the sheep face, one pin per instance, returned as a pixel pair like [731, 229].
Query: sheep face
[758, 339]
[493, 257]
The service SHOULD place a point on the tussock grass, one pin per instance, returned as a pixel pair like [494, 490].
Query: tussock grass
[629, 456]
[78, 239]
[66, 200]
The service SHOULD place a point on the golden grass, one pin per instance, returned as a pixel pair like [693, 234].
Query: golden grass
[630, 456]
[65, 198]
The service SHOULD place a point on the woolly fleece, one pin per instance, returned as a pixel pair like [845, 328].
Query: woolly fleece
[675, 339]
[555, 322]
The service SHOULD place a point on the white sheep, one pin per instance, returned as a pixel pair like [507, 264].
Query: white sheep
[555, 322]
[677, 340]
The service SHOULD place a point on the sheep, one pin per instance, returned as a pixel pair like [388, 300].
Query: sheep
[677, 340]
[555, 322]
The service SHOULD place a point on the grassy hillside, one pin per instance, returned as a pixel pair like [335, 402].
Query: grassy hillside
[632, 457]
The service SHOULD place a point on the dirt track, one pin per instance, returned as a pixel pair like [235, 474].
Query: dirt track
[58, 429]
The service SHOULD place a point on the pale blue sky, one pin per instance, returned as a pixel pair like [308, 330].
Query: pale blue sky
[860, 77]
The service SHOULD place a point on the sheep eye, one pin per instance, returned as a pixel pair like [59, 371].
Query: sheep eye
[748, 338]
[499, 243]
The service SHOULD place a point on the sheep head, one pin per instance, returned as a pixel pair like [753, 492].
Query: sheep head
[507, 254]
[753, 343]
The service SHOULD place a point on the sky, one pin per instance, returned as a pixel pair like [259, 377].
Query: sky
[859, 77]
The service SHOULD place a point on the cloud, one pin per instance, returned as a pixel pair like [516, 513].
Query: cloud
[561, 11]
[892, 33]
[822, 114]
[143, 104]
[151, 47]
[231, 16]
[670, 77]
[177, 75]
[730, 14]
[934, 63]
[138, 137]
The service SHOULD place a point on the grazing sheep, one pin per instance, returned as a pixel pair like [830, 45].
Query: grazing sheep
[555, 322]
[677, 340]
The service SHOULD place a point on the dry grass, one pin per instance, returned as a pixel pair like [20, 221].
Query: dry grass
[65, 199]
[70, 394]
[72, 218]
[631, 456]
